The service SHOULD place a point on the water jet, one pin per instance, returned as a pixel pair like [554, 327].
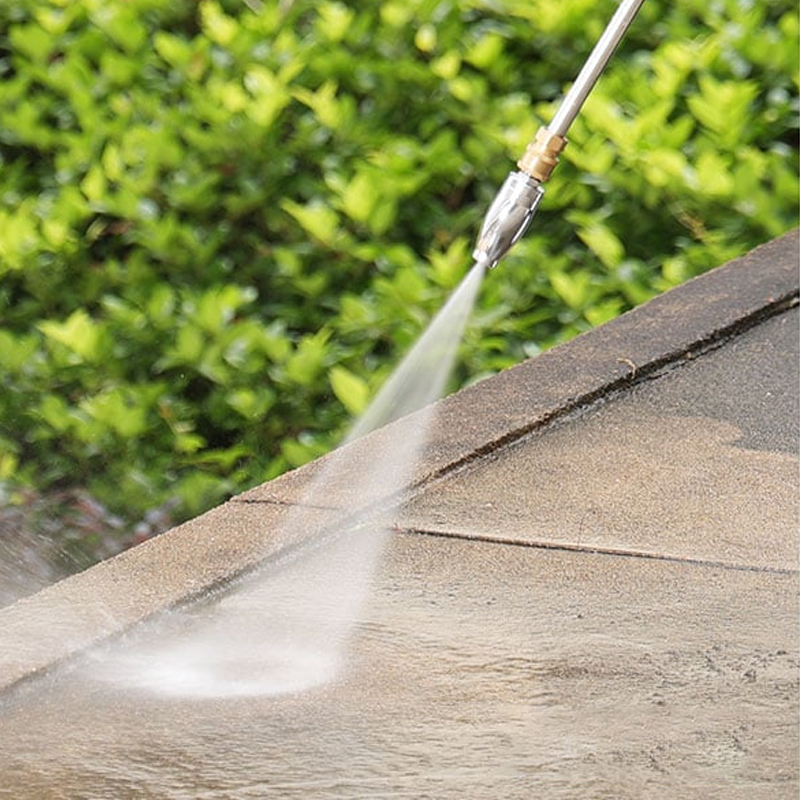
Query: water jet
[286, 631]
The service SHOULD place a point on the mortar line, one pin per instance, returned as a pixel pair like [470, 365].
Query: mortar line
[274, 501]
[600, 551]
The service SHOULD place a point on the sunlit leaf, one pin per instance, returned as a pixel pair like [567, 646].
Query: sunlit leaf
[316, 218]
[351, 390]
[603, 243]
[79, 332]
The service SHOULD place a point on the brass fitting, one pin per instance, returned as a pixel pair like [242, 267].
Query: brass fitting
[541, 155]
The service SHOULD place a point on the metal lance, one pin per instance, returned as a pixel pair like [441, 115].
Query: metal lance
[513, 208]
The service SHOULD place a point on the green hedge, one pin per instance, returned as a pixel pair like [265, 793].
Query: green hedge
[221, 223]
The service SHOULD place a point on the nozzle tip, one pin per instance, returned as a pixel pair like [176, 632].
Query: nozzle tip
[482, 259]
[508, 217]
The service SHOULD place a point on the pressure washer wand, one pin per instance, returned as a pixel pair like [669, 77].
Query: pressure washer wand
[513, 208]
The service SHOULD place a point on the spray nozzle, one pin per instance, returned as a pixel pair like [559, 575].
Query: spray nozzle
[516, 202]
[508, 217]
[514, 207]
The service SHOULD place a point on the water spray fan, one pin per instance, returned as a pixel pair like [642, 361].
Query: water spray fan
[513, 208]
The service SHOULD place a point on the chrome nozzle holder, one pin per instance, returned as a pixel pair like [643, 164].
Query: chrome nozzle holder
[508, 217]
[515, 204]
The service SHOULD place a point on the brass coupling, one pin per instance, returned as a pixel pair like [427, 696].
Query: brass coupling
[541, 155]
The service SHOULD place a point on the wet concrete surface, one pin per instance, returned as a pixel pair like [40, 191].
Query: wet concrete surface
[594, 596]
[480, 670]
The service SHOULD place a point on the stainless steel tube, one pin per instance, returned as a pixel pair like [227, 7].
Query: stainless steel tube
[516, 203]
[603, 50]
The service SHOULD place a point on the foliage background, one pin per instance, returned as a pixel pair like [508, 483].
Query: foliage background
[222, 222]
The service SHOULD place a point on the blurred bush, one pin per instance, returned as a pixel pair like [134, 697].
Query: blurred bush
[221, 223]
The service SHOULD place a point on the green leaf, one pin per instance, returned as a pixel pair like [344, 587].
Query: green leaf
[220, 28]
[603, 312]
[9, 464]
[303, 366]
[33, 40]
[316, 218]
[447, 66]
[425, 38]
[123, 25]
[269, 92]
[603, 243]
[351, 390]
[18, 237]
[161, 305]
[250, 403]
[573, 288]
[360, 197]
[118, 410]
[173, 49]
[189, 443]
[448, 266]
[94, 184]
[335, 19]
[80, 333]
[486, 51]
[17, 352]
[56, 232]
[330, 111]
[217, 307]
[664, 167]
[713, 174]
[54, 410]
[723, 108]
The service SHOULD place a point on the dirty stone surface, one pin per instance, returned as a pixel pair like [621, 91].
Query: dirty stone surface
[698, 464]
[480, 670]
[600, 602]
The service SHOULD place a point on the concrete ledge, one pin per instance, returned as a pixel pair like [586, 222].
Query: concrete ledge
[48, 628]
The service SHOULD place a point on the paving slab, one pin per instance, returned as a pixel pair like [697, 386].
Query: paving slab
[590, 591]
[479, 670]
[697, 463]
